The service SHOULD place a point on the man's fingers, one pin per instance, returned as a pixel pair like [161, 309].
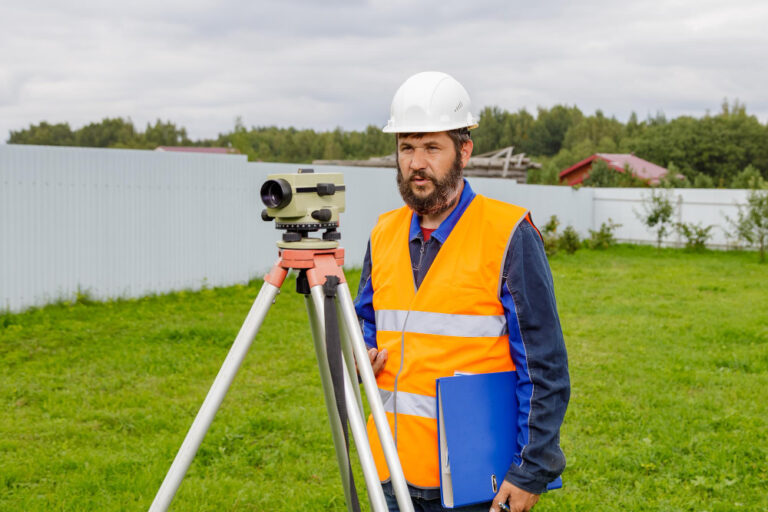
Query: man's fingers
[515, 498]
[501, 497]
[378, 361]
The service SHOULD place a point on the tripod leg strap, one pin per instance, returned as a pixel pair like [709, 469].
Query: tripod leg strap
[336, 365]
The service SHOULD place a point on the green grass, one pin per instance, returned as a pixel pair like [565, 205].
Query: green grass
[669, 365]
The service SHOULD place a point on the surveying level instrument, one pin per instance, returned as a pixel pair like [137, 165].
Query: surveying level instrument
[302, 203]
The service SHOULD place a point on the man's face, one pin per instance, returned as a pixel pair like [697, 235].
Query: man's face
[429, 171]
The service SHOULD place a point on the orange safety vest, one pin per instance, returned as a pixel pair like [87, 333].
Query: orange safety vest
[455, 322]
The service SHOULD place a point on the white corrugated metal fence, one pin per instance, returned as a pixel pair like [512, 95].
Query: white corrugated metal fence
[126, 223]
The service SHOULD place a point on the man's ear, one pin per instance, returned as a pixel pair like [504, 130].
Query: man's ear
[466, 152]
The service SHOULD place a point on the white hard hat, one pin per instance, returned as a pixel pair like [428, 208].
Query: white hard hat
[430, 101]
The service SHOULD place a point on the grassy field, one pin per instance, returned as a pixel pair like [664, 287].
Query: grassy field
[669, 365]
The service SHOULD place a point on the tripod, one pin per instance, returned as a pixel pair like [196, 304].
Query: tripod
[319, 272]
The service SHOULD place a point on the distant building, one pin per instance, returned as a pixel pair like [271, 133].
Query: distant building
[642, 169]
[198, 149]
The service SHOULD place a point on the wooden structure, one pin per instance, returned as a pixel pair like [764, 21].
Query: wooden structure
[501, 164]
[494, 164]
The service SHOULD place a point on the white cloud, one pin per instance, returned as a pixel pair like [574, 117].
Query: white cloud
[321, 65]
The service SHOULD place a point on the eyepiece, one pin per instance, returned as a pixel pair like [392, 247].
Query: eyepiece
[276, 193]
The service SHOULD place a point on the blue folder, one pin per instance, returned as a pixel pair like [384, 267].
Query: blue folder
[477, 435]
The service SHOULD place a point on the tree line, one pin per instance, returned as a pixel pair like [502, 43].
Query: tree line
[729, 148]
[268, 144]
[711, 151]
[107, 133]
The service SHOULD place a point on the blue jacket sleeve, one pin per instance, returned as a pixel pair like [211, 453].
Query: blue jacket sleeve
[364, 302]
[538, 351]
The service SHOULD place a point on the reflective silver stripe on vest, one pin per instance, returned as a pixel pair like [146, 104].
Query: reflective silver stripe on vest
[409, 403]
[443, 324]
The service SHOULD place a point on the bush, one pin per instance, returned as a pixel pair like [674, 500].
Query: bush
[549, 235]
[603, 237]
[696, 235]
[569, 241]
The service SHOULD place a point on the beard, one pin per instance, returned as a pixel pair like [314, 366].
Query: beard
[443, 195]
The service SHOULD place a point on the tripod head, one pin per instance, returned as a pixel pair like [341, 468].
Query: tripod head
[303, 202]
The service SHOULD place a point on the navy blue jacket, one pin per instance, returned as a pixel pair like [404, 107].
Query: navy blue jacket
[535, 341]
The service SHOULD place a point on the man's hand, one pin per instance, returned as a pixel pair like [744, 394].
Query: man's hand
[378, 359]
[517, 499]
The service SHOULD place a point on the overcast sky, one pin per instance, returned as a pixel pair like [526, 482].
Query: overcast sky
[322, 64]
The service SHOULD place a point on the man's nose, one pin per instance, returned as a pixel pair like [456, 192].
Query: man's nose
[418, 161]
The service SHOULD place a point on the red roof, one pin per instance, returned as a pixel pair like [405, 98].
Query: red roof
[643, 169]
[197, 149]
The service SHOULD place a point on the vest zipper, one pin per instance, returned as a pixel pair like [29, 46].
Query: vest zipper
[399, 371]
[402, 345]
[418, 265]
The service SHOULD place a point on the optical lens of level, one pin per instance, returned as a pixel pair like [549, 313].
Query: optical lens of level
[276, 193]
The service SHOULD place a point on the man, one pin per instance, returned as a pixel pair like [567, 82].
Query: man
[457, 282]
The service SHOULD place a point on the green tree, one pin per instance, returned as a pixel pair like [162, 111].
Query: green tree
[749, 177]
[548, 131]
[487, 136]
[673, 178]
[597, 130]
[564, 159]
[333, 146]
[701, 180]
[718, 146]
[109, 132]
[165, 133]
[548, 174]
[751, 226]
[376, 142]
[240, 140]
[499, 128]
[657, 213]
[633, 128]
[44, 134]
[603, 175]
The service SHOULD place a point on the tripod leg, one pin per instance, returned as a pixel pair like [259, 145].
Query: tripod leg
[349, 360]
[349, 356]
[356, 422]
[372, 392]
[318, 333]
[215, 396]
[357, 425]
